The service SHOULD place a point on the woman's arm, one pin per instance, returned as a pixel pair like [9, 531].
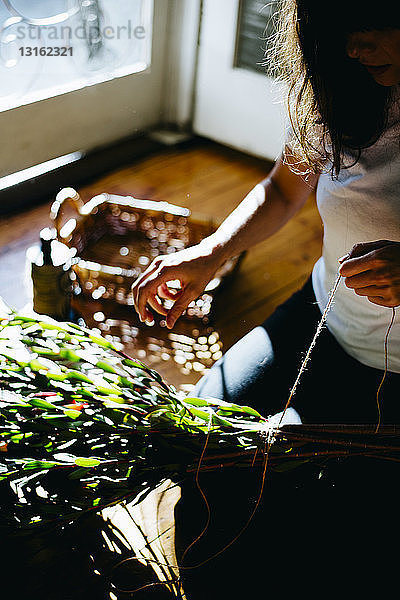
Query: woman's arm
[268, 206]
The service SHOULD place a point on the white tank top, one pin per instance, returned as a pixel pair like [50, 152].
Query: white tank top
[363, 205]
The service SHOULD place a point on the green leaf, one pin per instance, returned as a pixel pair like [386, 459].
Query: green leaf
[44, 351]
[39, 464]
[101, 342]
[78, 376]
[20, 436]
[39, 403]
[201, 414]
[73, 414]
[108, 391]
[196, 401]
[117, 400]
[133, 363]
[220, 421]
[158, 412]
[251, 411]
[106, 366]
[87, 462]
[23, 319]
[69, 355]
[56, 376]
[236, 408]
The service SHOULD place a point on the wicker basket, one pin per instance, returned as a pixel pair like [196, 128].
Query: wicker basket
[117, 237]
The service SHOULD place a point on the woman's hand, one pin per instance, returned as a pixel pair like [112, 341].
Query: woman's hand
[372, 269]
[194, 267]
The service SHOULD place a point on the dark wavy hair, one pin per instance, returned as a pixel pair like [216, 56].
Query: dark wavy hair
[333, 102]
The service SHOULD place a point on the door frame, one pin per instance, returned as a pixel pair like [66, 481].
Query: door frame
[234, 106]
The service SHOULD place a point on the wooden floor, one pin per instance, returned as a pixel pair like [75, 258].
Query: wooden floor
[211, 180]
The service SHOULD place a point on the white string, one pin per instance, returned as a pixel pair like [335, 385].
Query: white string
[385, 370]
[310, 349]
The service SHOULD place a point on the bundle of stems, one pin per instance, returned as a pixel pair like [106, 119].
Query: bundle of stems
[296, 444]
[83, 426]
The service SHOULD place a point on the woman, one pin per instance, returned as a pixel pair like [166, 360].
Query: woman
[343, 76]
[342, 70]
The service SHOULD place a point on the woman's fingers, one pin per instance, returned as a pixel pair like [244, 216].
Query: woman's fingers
[362, 280]
[383, 302]
[372, 269]
[139, 282]
[180, 305]
[146, 292]
[151, 286]
[378, 295]
[147, 296]
[364, 257]
[364, 248]
[156, 305]
[361, 264]
[191, 267]
[165, 292]
[150, 269]
[373, 290]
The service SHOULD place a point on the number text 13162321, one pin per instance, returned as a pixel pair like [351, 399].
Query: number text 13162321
[46, 51]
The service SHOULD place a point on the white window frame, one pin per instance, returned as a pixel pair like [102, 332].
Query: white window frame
[101, 114]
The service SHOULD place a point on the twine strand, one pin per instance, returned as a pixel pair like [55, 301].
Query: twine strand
[378, 404]
[310, 349]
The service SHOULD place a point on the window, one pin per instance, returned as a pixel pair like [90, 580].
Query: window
[50, 47]
[255, 26]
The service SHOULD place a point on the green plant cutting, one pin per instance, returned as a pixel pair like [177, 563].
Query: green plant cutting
[83, 426]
